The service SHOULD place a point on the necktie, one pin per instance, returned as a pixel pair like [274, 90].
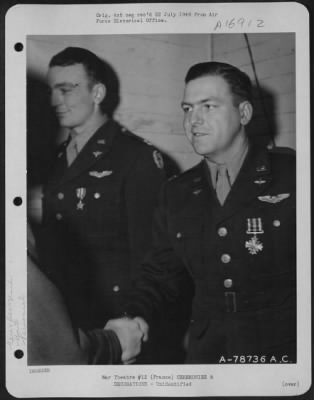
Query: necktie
[222, 183]
[72, 150]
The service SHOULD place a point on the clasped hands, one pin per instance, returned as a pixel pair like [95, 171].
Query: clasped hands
[131, 333]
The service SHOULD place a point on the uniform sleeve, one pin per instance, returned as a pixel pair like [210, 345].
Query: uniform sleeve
[141, 197]
[52, 337]
[163, 279]
[103, 346]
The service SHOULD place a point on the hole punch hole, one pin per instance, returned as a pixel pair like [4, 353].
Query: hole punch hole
[18, 47]
[17, 201]
[19, 354]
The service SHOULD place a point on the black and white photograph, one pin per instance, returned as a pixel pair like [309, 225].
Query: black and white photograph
[159, 243]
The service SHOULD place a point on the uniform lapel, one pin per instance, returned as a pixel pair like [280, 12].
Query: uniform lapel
[96, 148]
[199, 192]
[60, 165]
[254, 177]
[201, 207]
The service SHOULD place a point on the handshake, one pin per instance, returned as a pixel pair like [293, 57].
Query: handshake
[131, 333]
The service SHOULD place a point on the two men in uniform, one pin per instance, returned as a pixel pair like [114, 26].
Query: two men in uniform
[224, 230]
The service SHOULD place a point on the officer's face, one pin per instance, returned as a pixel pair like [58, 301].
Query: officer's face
[72, 96]
[212, 121]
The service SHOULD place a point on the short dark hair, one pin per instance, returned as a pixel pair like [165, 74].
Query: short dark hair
[239, 82]
[98, 71]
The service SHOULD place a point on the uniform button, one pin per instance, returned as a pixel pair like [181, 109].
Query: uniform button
[116, 288]
[222, 232]
[59, 216]
[276, 223]
[60, 196]
[96, 195]
[228, 283]
[225, 258]
[179, 235]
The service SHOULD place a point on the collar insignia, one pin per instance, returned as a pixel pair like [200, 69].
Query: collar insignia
[260, 181]
[158, 159]
[97, 153]
[274, 199]
[172, 178]
[198, 191]
[261, 168]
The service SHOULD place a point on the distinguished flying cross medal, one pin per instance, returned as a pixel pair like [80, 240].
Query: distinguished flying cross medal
[80, 194]
[254, 227]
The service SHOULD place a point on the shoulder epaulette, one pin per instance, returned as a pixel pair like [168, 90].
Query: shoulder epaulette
[130, 134]
[184, 174]
[282, 150]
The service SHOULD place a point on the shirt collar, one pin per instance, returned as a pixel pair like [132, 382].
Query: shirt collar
[233, 165]
[82, 138]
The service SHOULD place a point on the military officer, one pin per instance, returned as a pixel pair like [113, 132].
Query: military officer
[99, 199]
[229, 226]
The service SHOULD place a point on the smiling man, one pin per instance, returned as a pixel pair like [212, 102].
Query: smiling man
[99, 199]
[228, 225]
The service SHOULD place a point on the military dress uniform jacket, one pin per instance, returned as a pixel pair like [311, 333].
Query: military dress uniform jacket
[97, 217]
[240, 256]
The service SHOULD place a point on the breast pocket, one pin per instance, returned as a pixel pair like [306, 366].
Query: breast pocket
[272, 259]
[97, 205]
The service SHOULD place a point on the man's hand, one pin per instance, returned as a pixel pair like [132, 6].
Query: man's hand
[131, 333]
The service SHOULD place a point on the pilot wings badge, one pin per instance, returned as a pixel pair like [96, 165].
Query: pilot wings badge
[99, 174]
[274, 199]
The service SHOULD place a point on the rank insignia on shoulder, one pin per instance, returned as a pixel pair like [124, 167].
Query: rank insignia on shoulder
[101, 141]
[148, 142]
[172, 177]
[100, 174]
[274, 199]
[158, 159]
[97, 153]
[197, 179]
